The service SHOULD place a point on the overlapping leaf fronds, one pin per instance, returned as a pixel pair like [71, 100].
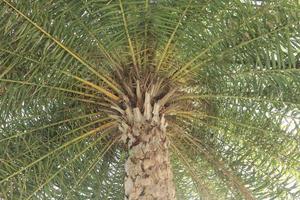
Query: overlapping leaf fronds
[238, 63]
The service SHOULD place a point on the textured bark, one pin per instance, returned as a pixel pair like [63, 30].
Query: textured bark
[148, 170]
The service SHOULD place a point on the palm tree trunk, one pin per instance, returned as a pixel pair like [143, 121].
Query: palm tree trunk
[148, 169]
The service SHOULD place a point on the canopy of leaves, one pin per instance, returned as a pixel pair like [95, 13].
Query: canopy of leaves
[239, 60]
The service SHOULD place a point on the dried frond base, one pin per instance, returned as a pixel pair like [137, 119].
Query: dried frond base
[148, 169]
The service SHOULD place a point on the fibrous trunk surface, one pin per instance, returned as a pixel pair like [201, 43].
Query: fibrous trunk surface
[148, 169]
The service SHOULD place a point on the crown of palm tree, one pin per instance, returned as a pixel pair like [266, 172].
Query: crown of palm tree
[221, 76]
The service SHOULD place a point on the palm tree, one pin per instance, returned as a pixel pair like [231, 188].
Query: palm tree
[154, 99]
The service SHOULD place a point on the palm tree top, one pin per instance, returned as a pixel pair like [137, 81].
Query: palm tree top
[219, 78]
